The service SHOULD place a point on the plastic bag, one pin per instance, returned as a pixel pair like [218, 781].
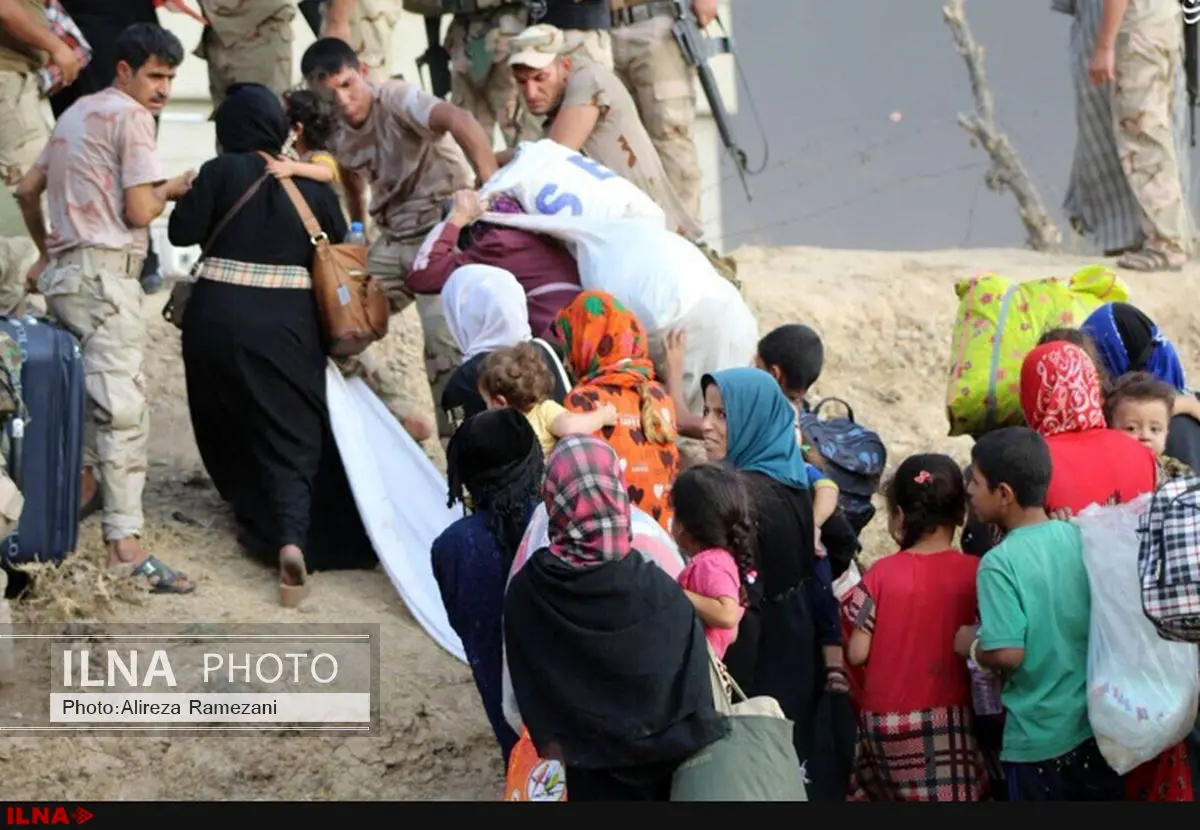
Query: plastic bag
[665, 280]
[998, 322]
[531, 777]
[1142, 689]
[550, 179]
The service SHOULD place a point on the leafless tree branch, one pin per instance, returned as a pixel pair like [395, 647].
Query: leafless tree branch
[1006, 172]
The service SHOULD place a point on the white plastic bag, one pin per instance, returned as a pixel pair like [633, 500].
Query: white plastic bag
[665, 280]
[1142, 689]
[550, 179]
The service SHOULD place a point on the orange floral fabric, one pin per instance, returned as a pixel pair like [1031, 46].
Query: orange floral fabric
[606, 346]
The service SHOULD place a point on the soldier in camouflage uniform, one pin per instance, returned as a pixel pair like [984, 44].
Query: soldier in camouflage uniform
[247, 41]
[481, 83]
[368, 26]
[649, 61]
[1140, 55]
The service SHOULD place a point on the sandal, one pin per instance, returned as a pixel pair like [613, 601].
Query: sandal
[1148, 260]
[162, 579]
[293, 579]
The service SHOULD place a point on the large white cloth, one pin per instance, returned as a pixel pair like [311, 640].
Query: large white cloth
[400, 495]
[485, 309]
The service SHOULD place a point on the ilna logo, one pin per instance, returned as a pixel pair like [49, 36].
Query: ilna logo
[1191, 11]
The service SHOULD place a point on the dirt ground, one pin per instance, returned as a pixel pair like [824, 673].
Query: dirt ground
[886, 320]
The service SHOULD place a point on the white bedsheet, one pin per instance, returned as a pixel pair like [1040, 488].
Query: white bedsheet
[401, 497]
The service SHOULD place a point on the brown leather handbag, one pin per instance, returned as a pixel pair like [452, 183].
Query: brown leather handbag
[353, 307]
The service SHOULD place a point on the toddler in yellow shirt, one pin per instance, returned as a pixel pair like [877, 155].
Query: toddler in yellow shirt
[518, 377]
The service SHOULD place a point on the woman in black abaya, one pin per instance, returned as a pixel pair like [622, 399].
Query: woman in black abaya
[254, 355]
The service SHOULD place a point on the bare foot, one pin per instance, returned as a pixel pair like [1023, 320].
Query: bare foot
[293, 576]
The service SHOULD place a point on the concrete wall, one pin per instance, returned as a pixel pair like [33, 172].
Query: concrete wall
[186, 138]
[827, 78]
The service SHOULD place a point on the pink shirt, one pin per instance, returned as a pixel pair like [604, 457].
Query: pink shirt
[103, 145]
[713, 573]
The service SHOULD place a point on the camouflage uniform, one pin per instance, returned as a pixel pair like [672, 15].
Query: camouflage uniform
[649, 61]
[23, 133]
[1147, 56]
[247, 41]
[481, 81]
[390, 260]
[95, 294]
[372, 25]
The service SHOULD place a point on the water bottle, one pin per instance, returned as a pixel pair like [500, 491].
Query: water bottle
[356, 236]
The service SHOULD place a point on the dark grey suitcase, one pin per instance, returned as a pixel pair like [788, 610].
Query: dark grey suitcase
[45, 456]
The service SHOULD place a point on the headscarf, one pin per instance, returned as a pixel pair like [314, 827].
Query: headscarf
[587, 505]
[496, 457]
[1060, 390]
[761, 425]
[1129, 341]
[485, 309]
[251, 119]
[606, 346]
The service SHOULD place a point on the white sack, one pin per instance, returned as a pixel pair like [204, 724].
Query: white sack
[550, 179]
[665, 280]
[1142, 689]
[400, 495]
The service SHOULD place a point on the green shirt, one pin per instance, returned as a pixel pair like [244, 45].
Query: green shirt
[1034, 595]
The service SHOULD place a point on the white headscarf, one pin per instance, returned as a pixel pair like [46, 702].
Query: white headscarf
[485, 309]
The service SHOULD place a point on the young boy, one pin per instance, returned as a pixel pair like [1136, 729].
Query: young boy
[1035, 605]
[1142, 405]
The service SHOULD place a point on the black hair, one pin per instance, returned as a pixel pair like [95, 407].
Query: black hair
[327, 56]
[140, 42]
[1018, 457]
[1138, 386]
[315, 113]
[928, 488]
[712, 504]
[797, 351]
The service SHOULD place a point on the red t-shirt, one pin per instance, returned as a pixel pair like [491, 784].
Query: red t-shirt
[920, 602]
[1099, 466]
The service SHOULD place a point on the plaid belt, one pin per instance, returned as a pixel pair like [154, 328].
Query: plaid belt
[254, 274]
[122, 262]
[643, 11]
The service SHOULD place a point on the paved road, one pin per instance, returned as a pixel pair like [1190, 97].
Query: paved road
[827, 78]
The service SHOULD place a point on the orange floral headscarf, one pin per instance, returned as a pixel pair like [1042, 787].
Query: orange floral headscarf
[606, 346]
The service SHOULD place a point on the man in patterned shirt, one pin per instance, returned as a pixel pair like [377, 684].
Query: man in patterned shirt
[101, 176]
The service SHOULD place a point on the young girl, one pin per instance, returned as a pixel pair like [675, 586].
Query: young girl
[517, 376]
[906, 612]
[714, 530]
[312, 120]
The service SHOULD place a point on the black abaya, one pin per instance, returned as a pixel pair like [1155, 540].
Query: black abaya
[254, 357]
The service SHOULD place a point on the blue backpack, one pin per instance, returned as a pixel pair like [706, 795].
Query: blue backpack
[855, 458]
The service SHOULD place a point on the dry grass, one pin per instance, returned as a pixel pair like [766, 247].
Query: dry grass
[79, 589]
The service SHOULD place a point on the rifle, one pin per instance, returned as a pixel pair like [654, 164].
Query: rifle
[311, 9]
[436, 58]
[1191, 59]
[697, 48]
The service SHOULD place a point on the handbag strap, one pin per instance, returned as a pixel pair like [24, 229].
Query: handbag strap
[736, 694]
[311, 225]
[237, 206]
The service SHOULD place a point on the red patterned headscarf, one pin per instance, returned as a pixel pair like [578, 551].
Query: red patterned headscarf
[586, 502]
[1060, 390]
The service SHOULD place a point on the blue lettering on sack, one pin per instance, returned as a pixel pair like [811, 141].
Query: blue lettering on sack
[549, 204]
[599, 171]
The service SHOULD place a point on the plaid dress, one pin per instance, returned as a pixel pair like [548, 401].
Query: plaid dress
[923, 755]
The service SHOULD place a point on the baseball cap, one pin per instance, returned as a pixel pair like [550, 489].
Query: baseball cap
[537, 47]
